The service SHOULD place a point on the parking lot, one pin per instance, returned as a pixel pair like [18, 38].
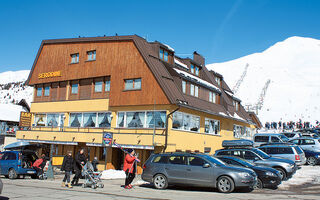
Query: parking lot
[305, 184]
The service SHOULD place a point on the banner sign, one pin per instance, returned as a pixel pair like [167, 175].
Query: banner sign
[49, 74]
[25, 119]
[107, 139]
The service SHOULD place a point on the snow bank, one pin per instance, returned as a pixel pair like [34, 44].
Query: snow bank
[307, 174]
[113, 174]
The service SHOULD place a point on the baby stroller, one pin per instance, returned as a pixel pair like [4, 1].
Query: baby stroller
[43, 174]
[91, 178]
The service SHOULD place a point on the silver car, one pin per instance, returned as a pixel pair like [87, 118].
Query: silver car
[196, 170]
[287, 151]
[307, 143]
[264, 138]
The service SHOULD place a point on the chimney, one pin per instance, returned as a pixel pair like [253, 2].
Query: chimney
[199, 59]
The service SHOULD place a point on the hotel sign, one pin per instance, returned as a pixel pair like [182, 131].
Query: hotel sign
[25, 119]
[49, 74]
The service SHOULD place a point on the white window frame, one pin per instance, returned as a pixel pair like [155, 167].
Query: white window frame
[74, 58]
[183, 116]
[215, 120]
[184, 86]
[91, 55]
[191, 89]
[192, 68]
[95, 86]
[82, 118]
[197, 70]
[145, 119]
[46, 118]
[107, 87]
[242, 131]
[196, 91]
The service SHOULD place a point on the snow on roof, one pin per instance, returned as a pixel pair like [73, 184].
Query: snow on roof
[10, 112]
[180, 63]
[232, 95]
[236, 116]
[203, 82]
[170, 48]
[224, 114]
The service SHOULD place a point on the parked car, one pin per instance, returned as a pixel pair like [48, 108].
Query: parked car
[17, 163]
[286, 167]
[264, 138]
[313, 157]
[292, 135]
[285, 150]
[1, 186]
[267, 176]
[195, 170]
[307, 143]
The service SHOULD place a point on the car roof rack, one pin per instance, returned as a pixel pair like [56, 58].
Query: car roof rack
[243, 143]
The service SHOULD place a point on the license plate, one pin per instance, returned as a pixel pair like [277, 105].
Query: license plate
[31, 172]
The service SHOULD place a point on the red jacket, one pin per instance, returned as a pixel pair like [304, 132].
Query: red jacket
[128, 163]
[37, 163]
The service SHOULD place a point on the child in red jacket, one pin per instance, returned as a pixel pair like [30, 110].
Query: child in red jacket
[130, 167]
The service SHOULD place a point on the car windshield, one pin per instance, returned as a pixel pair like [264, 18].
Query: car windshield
[214, 160]
[244, 162]
[284, 138]
[299, 150]
[261, 153]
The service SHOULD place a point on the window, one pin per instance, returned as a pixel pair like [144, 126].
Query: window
[133, 84]
[237, 153]
[192, 69]
[218, 80]
[307, 142]
[39, 91]
[177, 160]
[212, 97]
[196, 91]
[236, 105]
[248, 155]
[238, 131]
[223, 153]
[98, 120]
[47, 91]
[295, 142]
[91, 55]
[212, 126]
[164, 55]
[52, 120]
[40, 120]
[184, 84]
[75, 58]
[261, 139]
[191, 89]
[74, 88]
[187, 122]
[98, 86]
[197, 71]
[196, 161]
[75, 119]
[141, 119]
[107, 86]
[160, 159]
[275, 139]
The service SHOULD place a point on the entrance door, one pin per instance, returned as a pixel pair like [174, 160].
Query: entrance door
[117, 158]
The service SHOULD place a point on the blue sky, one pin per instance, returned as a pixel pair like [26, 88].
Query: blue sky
[221, 30]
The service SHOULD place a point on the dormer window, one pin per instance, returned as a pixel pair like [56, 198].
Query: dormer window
[218, 80]
[236, 105]
[194, 69]
[212, 97]
[164, 55]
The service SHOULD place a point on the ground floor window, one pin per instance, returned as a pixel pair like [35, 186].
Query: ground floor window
[49, 119]
[238, 131]
[94, 119]
[212, 126]
[141, 119]
[187, 122]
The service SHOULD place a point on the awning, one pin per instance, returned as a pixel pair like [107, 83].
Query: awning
[17, 145]
[123, 145]
[51, 142]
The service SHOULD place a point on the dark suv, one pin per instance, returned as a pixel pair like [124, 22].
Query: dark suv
[286, 167]
[196, 170]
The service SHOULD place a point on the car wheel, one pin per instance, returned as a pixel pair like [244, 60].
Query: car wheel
[283, 174]
[225, 184]
[160, 182]
[12, 174]
[259, 184]
[311, 161]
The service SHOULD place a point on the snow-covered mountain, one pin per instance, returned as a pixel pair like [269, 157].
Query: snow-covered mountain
[12, 88]
[293, 67]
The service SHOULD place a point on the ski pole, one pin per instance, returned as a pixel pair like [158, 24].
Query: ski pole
[125, 151]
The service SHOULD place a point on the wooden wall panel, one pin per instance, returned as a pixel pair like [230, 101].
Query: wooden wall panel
[54, 91]
[62, 91]
[85, 89]
[118, 59]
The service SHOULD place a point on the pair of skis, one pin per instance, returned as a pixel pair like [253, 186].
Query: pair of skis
[124, 150]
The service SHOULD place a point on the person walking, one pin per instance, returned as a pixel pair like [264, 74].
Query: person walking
[67, 166]
[130, 167]
[80, 160]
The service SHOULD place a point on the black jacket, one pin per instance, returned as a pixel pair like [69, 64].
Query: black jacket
[80, 158]
[68, 163]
